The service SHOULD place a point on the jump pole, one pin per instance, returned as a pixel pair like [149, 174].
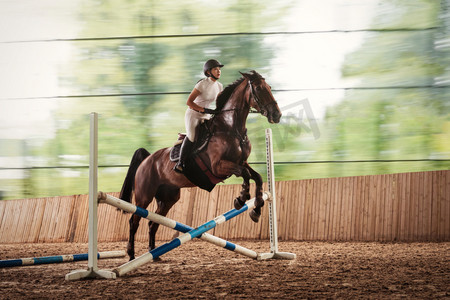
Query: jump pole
[143, 213]
[57, 259]
[157, 252]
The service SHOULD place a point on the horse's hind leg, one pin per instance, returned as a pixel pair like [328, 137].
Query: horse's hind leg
[134, 225]
[166, 197]
[142, 202]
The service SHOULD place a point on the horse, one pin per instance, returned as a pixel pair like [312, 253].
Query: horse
[152, 175]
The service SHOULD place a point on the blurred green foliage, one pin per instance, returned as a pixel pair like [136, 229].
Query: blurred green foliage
[398, 110]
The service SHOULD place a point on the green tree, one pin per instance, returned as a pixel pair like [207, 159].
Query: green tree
[406, 119]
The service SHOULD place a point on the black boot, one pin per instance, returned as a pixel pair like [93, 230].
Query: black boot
[185, 151]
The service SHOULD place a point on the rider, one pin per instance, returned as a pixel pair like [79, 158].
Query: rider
[203, 94]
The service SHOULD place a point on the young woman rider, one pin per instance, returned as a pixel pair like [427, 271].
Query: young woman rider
[203, 94]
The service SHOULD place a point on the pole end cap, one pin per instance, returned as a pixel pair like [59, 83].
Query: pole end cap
[101, 196]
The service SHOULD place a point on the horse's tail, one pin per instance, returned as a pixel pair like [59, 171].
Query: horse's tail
[128, 184]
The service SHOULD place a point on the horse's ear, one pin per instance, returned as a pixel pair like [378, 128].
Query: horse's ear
[246, 75]
[256, 75]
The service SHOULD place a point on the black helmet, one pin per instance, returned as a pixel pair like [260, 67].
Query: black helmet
[212, 63]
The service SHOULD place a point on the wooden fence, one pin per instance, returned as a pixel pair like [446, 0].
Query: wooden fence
[393, 207]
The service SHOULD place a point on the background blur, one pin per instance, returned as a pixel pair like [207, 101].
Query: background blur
[364, 85]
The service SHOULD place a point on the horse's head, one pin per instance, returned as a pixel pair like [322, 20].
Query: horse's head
[261, 97]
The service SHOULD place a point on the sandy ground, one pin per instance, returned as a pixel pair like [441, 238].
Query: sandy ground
[198, 270]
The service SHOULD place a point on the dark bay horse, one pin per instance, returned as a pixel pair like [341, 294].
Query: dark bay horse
[152, 176]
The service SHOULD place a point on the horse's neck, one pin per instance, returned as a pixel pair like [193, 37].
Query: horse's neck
[236, 110]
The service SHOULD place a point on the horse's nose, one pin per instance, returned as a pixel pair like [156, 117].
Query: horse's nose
[276, 116]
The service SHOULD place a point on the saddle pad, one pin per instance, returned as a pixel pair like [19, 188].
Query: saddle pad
[175, 152]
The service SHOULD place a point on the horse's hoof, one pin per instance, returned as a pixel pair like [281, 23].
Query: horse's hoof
[259, 201]
[254, 216]
[238, 204]
[130, 254]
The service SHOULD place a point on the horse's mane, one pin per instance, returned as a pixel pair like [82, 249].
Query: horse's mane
[223, 97]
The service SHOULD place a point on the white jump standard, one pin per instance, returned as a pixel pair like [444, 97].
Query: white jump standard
[273, 228]
[92, 271]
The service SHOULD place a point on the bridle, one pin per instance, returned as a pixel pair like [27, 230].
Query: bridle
[262, 107]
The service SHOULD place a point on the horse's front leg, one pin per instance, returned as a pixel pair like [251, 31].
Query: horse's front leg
[245, 192]
[259, 201]
[225, 168]
[228, 167]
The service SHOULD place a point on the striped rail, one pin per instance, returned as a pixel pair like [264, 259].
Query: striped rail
[57, 259]
[143, 213]
[189, 235]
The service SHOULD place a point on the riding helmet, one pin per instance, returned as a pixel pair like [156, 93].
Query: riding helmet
[211, 63]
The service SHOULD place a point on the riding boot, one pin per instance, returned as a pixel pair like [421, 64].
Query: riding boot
[185, 151]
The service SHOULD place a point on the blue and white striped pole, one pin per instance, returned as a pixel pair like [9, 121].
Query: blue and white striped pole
[131, 208]
[56, 259]
[197, 232]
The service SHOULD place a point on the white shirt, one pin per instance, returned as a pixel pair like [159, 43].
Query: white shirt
[209, 90]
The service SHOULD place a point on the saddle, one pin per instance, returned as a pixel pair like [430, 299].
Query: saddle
[198, 166]
[203, 135]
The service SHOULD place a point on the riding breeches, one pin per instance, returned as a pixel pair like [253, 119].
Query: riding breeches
[191, 119]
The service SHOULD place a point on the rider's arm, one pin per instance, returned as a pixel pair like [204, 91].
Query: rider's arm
[190, 101]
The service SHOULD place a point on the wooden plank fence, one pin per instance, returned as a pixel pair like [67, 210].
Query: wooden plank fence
[393, 207]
